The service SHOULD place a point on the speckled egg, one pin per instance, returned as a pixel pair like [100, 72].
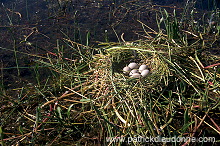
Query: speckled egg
[133, 71]
[145, 72]
[126, 70]
[142, 67]
[133, 65]
[136, 75]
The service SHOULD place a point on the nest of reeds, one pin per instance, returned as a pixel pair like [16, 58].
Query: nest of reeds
[122, 95]
[145, 106]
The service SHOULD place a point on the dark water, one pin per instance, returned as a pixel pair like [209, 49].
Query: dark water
[45, 23]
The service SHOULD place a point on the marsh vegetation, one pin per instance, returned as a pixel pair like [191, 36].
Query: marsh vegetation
[62, 82]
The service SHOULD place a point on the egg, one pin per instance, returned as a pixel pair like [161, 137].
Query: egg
[126, 70]
[133, 65]
[145, 72]
[136, 75]
[142, 67]
[133, 71]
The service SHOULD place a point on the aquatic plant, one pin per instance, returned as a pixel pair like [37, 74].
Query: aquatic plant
[86, 98]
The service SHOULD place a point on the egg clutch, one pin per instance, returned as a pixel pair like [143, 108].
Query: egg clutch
[136, 71]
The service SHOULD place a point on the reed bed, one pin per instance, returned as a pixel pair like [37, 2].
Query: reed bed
[87, 100]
